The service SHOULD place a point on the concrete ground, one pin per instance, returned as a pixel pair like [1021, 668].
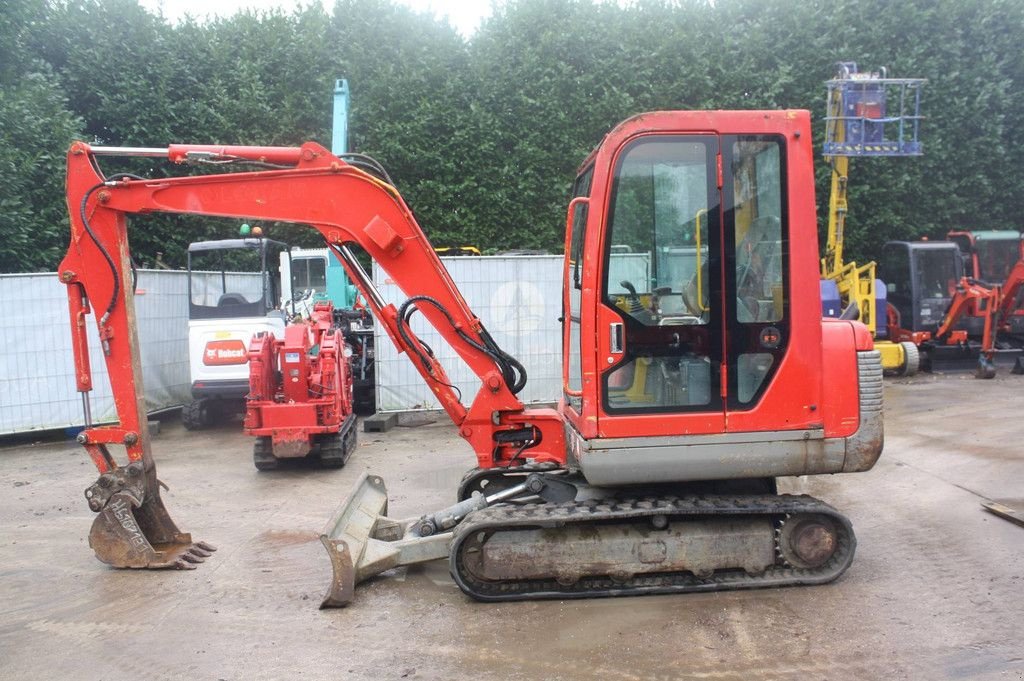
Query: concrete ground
[935, 591]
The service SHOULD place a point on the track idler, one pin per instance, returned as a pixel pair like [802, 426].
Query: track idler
[133, 529]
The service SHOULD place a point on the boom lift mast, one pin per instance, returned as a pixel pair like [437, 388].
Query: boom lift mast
[664, 426]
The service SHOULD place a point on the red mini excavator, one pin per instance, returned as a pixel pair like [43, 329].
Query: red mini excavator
[300, 393]
[696, 366]
[951, 318]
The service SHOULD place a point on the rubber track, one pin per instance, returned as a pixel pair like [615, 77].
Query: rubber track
[498, 518]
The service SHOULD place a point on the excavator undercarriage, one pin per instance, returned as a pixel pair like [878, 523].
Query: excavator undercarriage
[649, 544]
[517, 545]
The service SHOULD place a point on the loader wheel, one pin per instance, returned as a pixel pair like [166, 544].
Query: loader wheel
[195, 415]
[911, 359]
[263, 454]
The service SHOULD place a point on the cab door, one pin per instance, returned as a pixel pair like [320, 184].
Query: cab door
[692, 317]
[660, 312]
[756, 248]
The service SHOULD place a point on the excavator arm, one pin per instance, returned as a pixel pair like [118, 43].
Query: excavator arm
[1010, 293]
[303, 185]
[984, 300]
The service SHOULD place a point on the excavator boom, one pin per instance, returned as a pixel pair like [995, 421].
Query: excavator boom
[133, 528]
[372, 215]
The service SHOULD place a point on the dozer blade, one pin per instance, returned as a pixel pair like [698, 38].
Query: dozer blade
[132, 528]
[953, 359]
[362, 541]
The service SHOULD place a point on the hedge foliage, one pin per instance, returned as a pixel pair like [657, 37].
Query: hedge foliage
[483, 135]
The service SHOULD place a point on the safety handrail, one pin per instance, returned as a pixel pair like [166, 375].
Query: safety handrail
[700, 285]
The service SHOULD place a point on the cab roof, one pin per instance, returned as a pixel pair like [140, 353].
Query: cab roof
[231, 244]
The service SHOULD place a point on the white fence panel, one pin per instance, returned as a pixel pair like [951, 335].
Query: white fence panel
[518, 299]
[37, 372]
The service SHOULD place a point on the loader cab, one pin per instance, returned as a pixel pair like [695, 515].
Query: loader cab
[233, 278]
[683, 253]
[234, 293]
[920, 279]
[988, 256]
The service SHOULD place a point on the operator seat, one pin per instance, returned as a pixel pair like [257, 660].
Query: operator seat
[231, 299]
[698, 306]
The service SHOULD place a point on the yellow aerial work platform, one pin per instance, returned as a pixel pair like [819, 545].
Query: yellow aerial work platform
[859, 122]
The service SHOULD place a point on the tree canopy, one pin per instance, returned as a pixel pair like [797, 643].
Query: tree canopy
[483, 135]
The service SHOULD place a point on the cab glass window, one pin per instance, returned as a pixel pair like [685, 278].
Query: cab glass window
[658, 250]
[757, 196]
[308, 274]
[663, 277]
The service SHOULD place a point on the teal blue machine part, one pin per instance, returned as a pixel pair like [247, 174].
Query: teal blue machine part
[340, 290]
[339, 137]
[321, 272]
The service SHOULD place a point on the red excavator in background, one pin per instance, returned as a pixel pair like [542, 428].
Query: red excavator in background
[993, 257]
[1010, 315]
[950, 318]
[300, 393]
[696, 366]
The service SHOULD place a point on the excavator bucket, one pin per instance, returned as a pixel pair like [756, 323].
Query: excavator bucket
[132, 528]
[361, 541]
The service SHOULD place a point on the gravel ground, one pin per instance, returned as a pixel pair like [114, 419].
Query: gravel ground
[935, 591]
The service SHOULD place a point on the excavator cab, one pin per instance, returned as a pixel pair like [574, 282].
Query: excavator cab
[989, 255]
[682, 255]
[921, 279]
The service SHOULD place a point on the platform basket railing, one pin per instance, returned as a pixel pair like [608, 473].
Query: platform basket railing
[868, 115]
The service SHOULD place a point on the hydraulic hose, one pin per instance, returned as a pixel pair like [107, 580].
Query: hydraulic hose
[512, 371]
